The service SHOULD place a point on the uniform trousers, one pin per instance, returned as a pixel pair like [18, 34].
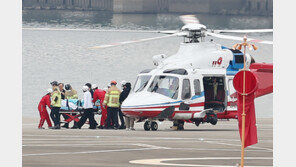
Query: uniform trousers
[87, 114]
[112, 116]
[55, 115]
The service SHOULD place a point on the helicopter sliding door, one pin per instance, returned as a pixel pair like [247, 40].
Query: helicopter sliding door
[215, 95]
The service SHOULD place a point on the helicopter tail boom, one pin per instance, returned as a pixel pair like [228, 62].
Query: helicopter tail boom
[264, 75]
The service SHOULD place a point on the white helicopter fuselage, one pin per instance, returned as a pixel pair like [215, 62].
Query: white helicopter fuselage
[186, 78]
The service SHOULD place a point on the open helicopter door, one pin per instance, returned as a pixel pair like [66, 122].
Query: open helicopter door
[215, 94]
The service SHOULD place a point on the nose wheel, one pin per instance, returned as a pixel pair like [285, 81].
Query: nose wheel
[150, 125]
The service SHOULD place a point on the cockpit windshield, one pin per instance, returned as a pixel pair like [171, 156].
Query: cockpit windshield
[165, 85]
[141, 82]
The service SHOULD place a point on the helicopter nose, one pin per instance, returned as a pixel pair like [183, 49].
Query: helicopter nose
[145, 104]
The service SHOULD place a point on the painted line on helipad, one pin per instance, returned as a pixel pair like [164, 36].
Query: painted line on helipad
[88, 152]
[159, 162]
[238, 145]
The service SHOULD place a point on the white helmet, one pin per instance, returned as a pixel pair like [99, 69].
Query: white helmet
[84, 88]
[49, 90]
[93, 86]
[122, 83]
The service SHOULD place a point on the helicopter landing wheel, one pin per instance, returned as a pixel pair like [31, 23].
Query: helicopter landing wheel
[154, 126]
[147, 126]
[197, 123]
[181, 125]
[214, 120]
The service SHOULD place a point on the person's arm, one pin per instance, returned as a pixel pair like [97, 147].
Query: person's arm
[48, 101]
[106, 99]
[122, 96]
[95, 97]
[53, 97]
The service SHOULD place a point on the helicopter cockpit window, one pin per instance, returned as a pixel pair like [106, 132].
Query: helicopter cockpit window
[186, 92]
[165, 85]
[141, 82]
[196, 84]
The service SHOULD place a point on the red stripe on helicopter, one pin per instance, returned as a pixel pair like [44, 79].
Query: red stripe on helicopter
[151, 114]
[176, 106]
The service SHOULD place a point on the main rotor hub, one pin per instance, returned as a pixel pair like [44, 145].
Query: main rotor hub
[196, 32]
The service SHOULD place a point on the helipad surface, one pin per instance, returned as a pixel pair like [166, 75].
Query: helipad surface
[206, 145]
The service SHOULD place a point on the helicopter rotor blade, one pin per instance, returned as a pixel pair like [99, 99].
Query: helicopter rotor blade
[189, 19]
[244, 31]
[129, 42]
[168, 32]
[238, 38]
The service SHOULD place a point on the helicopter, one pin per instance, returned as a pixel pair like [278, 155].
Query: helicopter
[196, 84]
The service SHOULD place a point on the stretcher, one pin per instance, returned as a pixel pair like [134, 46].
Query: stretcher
[73, 109]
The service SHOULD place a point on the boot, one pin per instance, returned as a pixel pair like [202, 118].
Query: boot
[66, 125]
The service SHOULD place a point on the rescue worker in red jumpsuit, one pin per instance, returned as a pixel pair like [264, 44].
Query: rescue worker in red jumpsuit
[99, 94]
[45, 101]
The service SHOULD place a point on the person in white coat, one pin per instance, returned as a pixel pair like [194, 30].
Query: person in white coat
[87, 108]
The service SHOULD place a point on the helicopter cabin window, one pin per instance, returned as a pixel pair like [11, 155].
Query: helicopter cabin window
[186, 92]
[141, 82]
[165, 85]
[214, 93]
[196, 84]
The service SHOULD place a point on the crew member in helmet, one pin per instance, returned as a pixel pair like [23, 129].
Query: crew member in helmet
[99, 94]
[56, 105]
[69, 94]
[45, 101]
[87, 108]
[129, 122]
[111, 101]
[54, 84]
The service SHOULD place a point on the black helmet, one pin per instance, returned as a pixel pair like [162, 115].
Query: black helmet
[67, 86]
[88, 85]
[54, 83]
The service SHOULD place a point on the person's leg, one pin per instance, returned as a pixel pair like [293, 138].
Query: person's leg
[115, 117]
[55, 117]
[108, 121]
[127, 122]
[47, 119]
[75, 123]
[91, 118]
[66, 125]
[103, 117]
[41, 119]
[82, 120]
[122, 124]
[132, 122]
[52, 116]
[58, 116]
[93, 113]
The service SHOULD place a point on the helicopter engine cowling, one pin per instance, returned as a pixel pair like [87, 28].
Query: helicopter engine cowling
[157, 59]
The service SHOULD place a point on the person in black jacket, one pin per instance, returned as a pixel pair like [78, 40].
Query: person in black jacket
[126, 90]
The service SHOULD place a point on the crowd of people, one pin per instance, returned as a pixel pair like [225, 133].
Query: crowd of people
[109, 99]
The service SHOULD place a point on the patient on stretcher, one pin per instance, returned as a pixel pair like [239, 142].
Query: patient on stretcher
[74, 104]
